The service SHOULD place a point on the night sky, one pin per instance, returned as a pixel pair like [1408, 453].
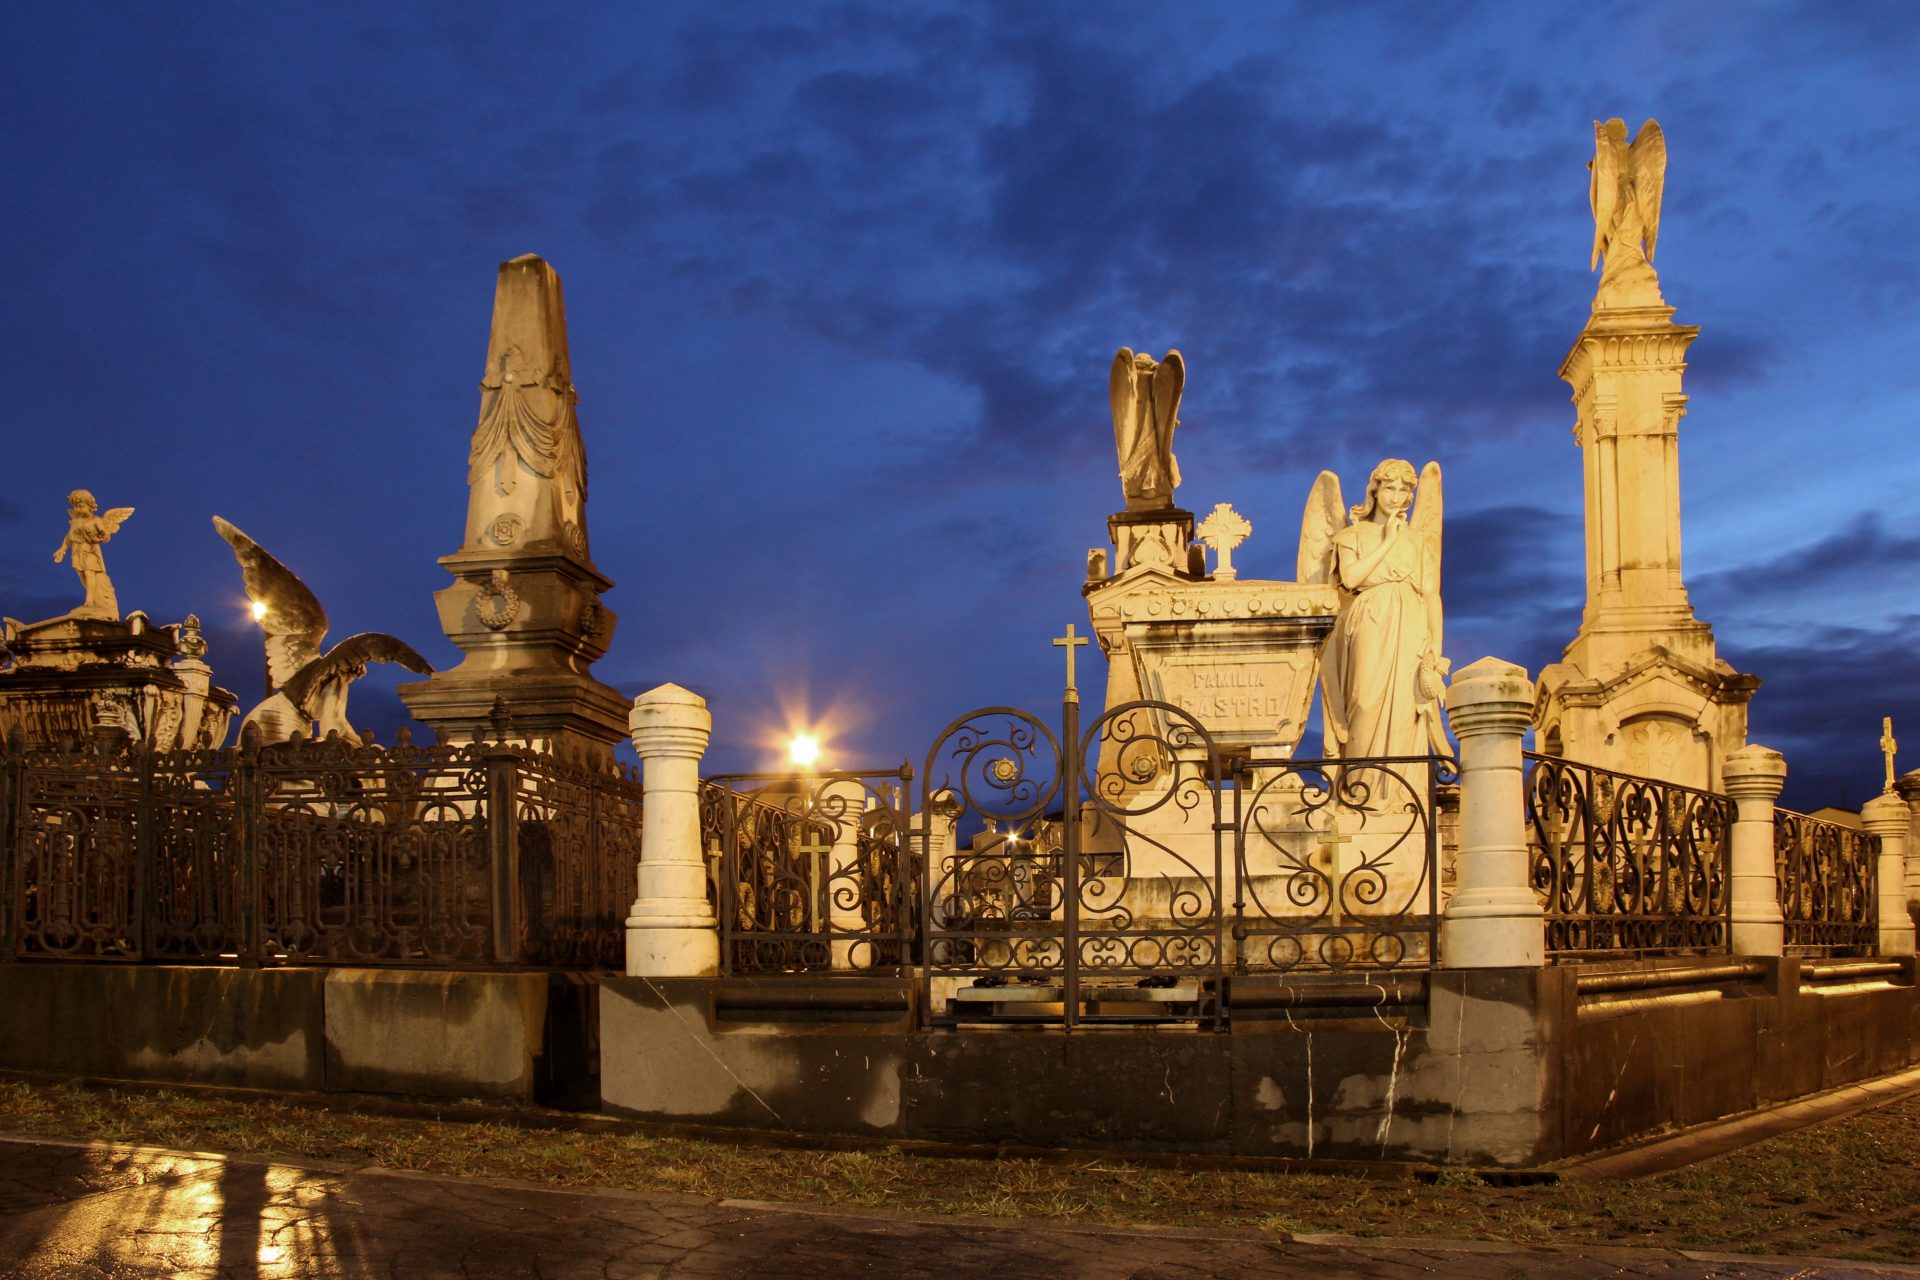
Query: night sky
[844, 281]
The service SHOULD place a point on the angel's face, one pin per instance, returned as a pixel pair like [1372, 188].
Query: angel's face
[1394, 493]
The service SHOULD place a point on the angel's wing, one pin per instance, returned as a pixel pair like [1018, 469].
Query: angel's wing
[1169, 380]
[1325, 516]
[294, 621]
[1428, 521]
[1125, 395]
[1647, 169]
[1603, 192]
[115, 517]
[353, 652]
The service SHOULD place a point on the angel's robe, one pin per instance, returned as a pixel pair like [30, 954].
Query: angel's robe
[1370, 670]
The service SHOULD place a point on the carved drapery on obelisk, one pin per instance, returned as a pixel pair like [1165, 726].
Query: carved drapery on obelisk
[526, 604]
[526, 469]
[1640, 688]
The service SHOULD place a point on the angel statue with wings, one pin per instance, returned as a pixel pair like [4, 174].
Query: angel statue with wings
[1146, 408]
[86, 534]
[1382, 678]
[1628, 181]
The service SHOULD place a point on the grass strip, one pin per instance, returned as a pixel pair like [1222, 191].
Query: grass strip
[1847, 1188]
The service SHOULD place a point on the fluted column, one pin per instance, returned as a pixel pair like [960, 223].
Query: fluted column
[1886, 816]
[1753, 776]
[1494, 920]
[671, 930]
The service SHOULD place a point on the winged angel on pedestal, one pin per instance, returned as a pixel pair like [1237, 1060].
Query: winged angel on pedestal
[1146, 408]
[1382, 678]
[1628, 181]
[310, 686]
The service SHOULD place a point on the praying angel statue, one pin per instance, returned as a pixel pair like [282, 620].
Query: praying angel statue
[87, 532]
[1382, 679]
[1146, 408]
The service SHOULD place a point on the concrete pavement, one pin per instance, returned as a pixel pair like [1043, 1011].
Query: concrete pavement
[80, 1211]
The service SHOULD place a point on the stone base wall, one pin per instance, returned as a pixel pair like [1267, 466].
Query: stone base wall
[1507, 1068]
[531, 1036]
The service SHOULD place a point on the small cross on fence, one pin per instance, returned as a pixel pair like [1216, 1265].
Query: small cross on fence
[1070, 642]
[815, 853]
[1330, 841]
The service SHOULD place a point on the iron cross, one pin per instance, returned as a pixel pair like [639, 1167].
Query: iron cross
[1070, 642]
[1887, 745]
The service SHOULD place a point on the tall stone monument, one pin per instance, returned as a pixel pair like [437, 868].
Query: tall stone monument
[1641, 688]
[525, 604]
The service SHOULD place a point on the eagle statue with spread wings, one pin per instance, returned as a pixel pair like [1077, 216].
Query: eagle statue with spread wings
[1625, 189]
[1382, 676]
[310, 687]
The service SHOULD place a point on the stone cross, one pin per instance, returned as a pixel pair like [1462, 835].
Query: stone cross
[1070, 642]
[1223, 530]
[1887, 747]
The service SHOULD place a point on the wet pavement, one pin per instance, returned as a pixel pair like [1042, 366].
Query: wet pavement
[78, 1210]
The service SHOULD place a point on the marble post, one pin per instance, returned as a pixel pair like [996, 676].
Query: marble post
[1886, 816]
[842, 802]
[1493, 920]
[1909, 789]
[1753, 776]
[671, 930]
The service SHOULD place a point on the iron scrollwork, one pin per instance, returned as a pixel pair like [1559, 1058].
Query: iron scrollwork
[1627, 865]
[1826, 875]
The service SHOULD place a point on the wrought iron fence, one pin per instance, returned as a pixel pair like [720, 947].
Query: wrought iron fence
[1340, 863]
[1627, 865]
[1827, 885]
[317, 853]
[809, 872]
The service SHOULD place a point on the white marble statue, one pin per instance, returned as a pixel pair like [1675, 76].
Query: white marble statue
[310, 686]
[1382, 676]
[1146, 409]
[87, 532]
[1628, 181]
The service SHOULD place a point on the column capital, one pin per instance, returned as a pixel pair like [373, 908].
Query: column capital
[1885, 815]
[1490, 696]
[670, 721]
[1754, 772]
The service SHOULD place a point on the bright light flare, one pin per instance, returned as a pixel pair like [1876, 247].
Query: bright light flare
[803, 750]
[259, 610]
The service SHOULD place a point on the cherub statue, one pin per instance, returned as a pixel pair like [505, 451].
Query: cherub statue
[86, 534]
[1146, 409]
[1625, 190]
[311, 687]
[1382, 677]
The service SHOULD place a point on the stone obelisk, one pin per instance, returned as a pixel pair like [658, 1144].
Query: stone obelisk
[1640, 689]
[525, 604]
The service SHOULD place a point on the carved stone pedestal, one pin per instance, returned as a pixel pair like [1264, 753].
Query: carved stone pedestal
[1640, 689]
[79, 679]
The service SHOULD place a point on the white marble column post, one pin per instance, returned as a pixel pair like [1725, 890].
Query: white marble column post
[1886, 816]
[1753, 776]
[842, 802]
[671, 931]
[1494, 920]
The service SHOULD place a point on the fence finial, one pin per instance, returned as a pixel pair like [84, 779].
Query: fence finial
[500, 717]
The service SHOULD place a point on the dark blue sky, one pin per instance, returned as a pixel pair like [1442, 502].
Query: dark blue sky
[844, 281]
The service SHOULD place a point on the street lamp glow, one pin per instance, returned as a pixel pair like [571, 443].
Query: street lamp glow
[259, 610]
[803, 749]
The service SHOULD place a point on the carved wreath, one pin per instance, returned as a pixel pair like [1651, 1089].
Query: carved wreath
[495, 616]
